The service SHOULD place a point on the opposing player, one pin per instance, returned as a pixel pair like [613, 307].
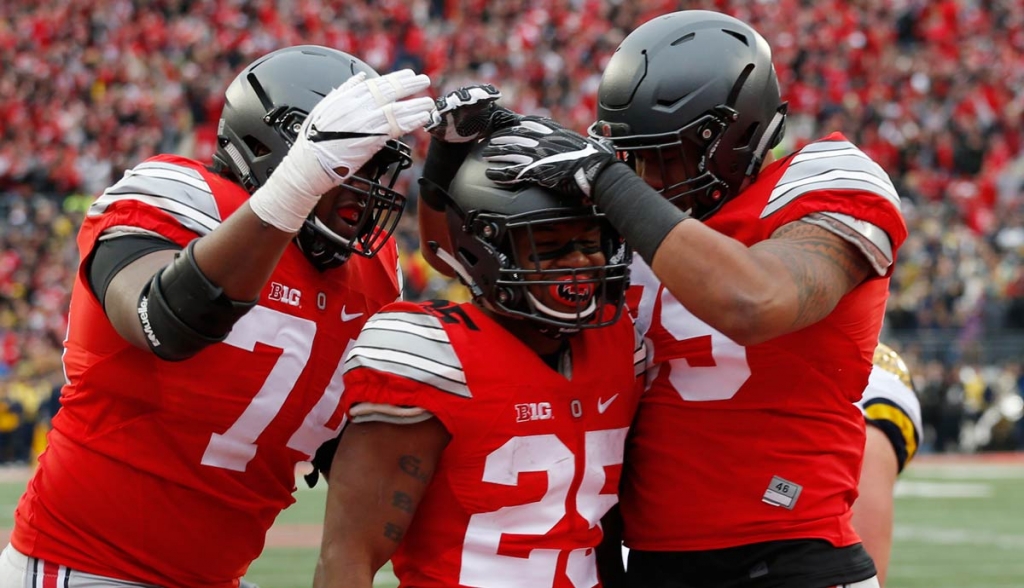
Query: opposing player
[893, 415]
[485, 439]
[207, 328]
[761, 286]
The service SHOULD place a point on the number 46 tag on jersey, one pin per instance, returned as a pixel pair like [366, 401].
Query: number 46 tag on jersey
[782, 492]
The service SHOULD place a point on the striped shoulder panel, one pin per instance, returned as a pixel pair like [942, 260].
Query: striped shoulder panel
[177, 190]
[410, 345]
[892, 406]
[830, 165]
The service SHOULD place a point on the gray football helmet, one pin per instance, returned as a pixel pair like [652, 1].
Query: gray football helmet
[264, 108]
[481, 220]
[698, 89]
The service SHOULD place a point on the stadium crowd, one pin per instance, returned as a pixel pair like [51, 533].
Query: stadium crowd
[929, 89]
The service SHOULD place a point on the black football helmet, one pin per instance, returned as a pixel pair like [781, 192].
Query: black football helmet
[481, 220]
[696, 85]
[264, 109]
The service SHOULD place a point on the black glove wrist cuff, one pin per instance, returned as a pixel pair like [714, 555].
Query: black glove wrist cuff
[641, 215]
[443, 162]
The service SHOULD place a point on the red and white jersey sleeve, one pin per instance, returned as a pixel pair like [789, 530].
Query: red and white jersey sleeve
[534, 459]
[181, 467]
[165, 196]
[736, 445]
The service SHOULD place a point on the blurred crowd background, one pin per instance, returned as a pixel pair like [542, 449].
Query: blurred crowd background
[933, 90]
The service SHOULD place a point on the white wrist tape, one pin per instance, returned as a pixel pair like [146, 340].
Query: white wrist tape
[291, 192]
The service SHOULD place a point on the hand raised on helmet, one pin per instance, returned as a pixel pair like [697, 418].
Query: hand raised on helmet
[468, 114]
[352, 123]
[540, 151]
[342, 132]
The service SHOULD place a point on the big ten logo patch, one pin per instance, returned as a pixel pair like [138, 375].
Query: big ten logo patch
[282, 293]
[533, 411]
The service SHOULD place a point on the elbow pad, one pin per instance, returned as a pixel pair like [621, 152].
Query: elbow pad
[182, 312]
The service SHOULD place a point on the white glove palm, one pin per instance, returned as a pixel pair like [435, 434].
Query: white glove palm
[344, 131]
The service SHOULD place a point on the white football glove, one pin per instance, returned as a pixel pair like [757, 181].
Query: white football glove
[469, 113]
[344, 131]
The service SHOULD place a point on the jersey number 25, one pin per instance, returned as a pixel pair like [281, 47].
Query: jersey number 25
[482, 565]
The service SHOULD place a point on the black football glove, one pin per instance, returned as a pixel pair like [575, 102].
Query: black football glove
[540, 151]
[468, 114]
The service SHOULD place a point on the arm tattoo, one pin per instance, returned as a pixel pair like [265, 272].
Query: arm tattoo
[412, 465]
[394, 532]
[823, 266]
[402, 502]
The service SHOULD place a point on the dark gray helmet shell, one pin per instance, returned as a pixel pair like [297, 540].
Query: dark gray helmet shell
[701, 82]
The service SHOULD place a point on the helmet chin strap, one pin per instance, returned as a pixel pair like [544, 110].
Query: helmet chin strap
[459, 269]
[562, 315]
[768, 138]
[329, 234]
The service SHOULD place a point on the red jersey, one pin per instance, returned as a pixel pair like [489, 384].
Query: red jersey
[736, 445]
[534, 459]
[170, 473]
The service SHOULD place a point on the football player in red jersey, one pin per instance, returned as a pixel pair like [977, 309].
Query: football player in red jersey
[207, 327]
[485, 439]
[761, 286]
[893, 414]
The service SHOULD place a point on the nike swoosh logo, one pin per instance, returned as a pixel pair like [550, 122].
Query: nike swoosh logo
[347, 317]
[316, 135]
[603, 405]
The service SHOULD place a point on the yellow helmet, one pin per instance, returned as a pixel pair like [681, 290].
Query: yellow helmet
[890, 361]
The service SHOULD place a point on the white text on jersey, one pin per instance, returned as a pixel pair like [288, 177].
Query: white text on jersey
[289, 296]
[533, 411]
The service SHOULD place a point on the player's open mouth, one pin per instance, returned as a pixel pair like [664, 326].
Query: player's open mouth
[573, 292]
[350, 213]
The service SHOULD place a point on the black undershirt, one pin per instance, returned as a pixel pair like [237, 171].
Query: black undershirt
[110, 256]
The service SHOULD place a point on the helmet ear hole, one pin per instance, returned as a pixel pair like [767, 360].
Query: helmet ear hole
[256, 146]
[504, 295]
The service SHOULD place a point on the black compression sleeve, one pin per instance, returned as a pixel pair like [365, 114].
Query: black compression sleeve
[640, 214]
[110, 256]
[443, 162]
